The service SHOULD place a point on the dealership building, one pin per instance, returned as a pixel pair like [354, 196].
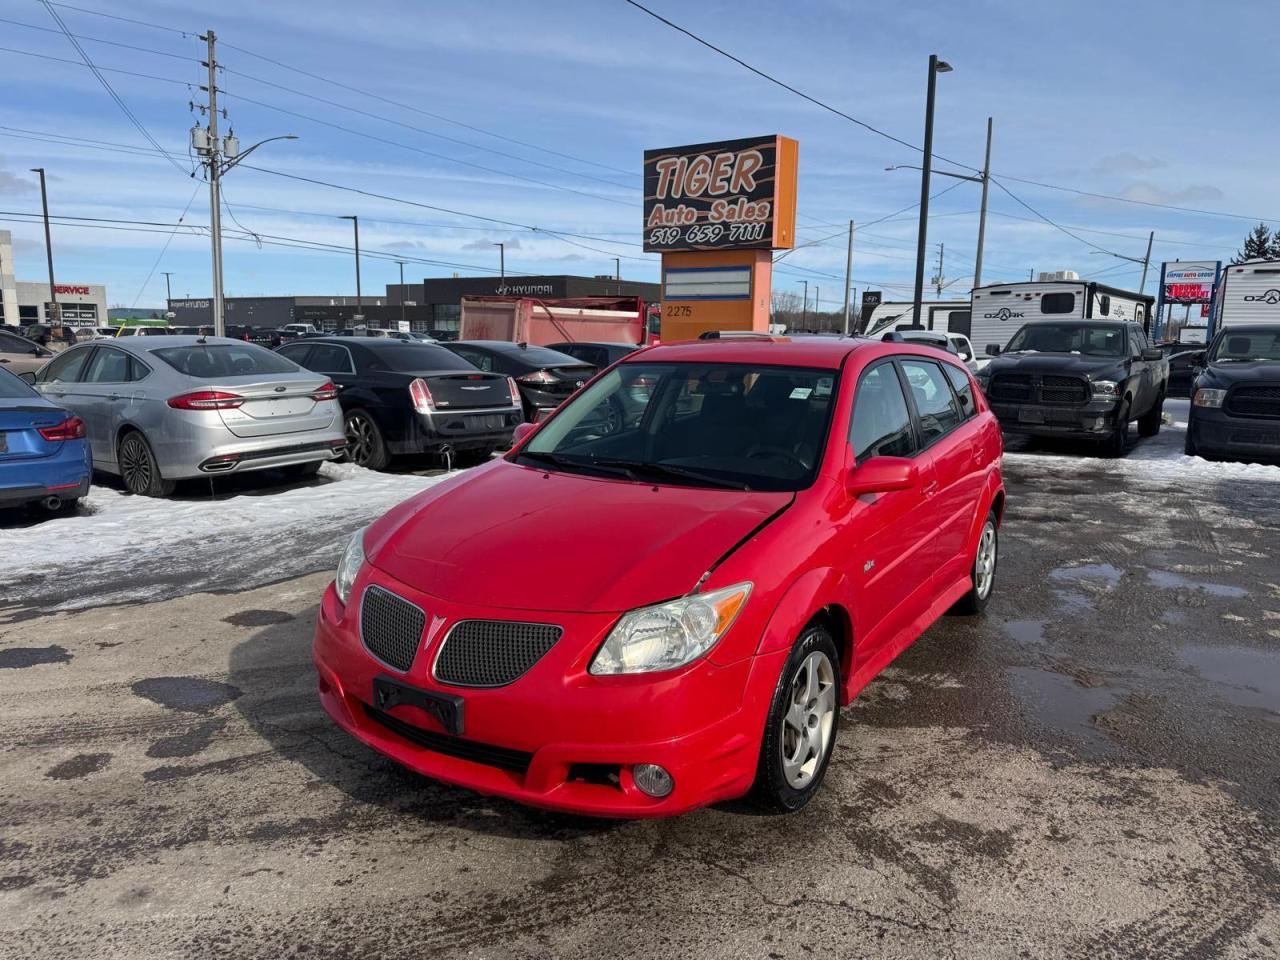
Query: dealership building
[22, 302]
[433, 306]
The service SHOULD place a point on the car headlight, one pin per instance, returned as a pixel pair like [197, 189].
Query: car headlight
[1104, 388]
[669, 635]
[349, 565]
[1209, 398]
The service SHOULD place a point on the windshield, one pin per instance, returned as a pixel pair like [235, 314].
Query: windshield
[1087, 339]
[736, 426]
[542, 357]
[203, 361]
[1254, 345]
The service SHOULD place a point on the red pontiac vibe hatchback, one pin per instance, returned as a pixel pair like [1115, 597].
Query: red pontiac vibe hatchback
[662, 596]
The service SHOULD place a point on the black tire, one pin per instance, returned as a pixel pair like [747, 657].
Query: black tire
[1114, 445]
[975, 601]
[138, 467]
[365, 444]
[775, 790]
[1149, 423]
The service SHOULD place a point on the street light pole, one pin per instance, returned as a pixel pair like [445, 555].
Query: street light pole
[502, 268]
[55, 314]
[402, 291]
[936, 67]
[804, 315]
[355, 226]
[848, 279]
[1146, 263]
[982, 216]
[617, 269]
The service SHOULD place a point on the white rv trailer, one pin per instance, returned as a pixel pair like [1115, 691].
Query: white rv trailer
[1248, 293]
[998, 310]
[946, 316]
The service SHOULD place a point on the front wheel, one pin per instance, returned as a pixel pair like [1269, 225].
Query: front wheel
[1114, 445]
[984, 569]
[800, 730]
[1189, 443]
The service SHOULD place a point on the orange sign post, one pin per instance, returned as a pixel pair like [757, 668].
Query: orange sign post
[716, 211]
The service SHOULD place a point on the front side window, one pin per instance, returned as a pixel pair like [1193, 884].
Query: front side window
[730, 425]
[204, 361]
[65, 368]
[935, 405]
[1058, 303]
[881, 421]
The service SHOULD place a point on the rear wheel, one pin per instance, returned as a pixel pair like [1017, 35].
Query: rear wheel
[365, 445]
[1149, 423]
[801, 728]
[1114, 445]
[138, 467]
[984, 569]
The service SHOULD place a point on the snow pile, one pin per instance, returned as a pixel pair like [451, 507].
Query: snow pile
[121, 547]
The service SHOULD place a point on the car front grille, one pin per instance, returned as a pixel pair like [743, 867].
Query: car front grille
[1010, 386]
[1255, 400]
[391, 627]
[492, 653]
[504, 758]
[1064, 390]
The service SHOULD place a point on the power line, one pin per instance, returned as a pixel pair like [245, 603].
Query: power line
[1113, 233]
[113, 16]
[110, 43]
[1142, 203]
[1055, 225]
[165, 248]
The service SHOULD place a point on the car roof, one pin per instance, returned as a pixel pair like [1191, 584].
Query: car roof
[820, 352]
[373, 343]
[147, 344]
[592, 343]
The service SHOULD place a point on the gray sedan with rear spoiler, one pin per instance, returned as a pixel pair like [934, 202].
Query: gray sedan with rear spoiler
[165, 408]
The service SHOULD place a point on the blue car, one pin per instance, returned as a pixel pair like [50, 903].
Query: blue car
[44, 457]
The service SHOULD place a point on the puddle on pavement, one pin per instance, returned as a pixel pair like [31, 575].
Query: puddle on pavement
[1243, 676]
[1175, 581]
[1026, 631]
[17, 658]
[1060, 702]
[192, 694]
[1103, 572]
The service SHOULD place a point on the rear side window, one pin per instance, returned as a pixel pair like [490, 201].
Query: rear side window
[330, 358]
[297, 354]
[1058, 303]
[881, 421]
[474, 357]
[964, 390]
[108, 366]
[225, 360]
[11, 388]
[65, 368]
[935, 404]
[409, 357]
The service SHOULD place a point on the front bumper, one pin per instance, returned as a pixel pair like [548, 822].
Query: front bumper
[556, 738]
[1216, 432]
[1096, 418]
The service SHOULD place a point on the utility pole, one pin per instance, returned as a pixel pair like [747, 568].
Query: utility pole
[848, 279]
[937, 281]
[1146, 264]
[168, 289]
[402, 291]
[936, 67]
[502, 268]
[617, 269]
[55, 313]
[1031, 275]
[355, 225]
[804, 315]
[982, 216]
[817, 309]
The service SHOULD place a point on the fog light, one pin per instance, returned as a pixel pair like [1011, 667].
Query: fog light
[652, 779]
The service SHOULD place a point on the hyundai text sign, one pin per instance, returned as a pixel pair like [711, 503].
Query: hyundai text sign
[728, 195]
[1192, 282]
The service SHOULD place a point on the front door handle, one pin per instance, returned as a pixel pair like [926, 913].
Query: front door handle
[930, 488]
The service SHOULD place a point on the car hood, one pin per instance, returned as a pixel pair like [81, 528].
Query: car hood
[516, 537]
[1252, 371]
[1055, 363]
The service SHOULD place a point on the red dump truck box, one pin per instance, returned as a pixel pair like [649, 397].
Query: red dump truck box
[542, 321]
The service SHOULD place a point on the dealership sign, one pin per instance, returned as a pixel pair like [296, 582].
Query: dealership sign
[71, 288]
[1189, 282]
[727, 195]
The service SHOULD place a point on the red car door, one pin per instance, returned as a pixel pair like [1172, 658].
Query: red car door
[891, 537]
[950, 435]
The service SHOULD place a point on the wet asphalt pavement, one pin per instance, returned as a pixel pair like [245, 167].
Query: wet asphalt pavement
[1090, 769]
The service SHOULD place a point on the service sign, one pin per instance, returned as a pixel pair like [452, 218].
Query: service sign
[1186, 282]
[730, 195]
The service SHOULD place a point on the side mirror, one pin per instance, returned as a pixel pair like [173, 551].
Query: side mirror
[993, 349]
[28, 378]
[521, 431]
[1151, 353]
[881, 475]
[965, 356]
[1200, 358]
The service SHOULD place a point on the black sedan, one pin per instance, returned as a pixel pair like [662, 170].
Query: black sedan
[400, 397]
[597, 354]
[546, 378]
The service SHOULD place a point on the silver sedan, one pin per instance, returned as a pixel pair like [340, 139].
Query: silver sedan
[162, 409]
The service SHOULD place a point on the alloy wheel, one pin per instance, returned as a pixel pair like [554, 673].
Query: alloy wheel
[135, 464]
[359, 439]
[809, 720]
[984, 568]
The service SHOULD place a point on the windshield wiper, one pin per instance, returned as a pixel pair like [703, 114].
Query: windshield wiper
[565, 463]
[672, 471]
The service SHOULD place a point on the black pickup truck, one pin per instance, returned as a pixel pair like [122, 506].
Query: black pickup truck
[1078, 378]
[1235, 400]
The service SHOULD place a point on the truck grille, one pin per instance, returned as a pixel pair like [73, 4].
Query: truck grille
[1255, 400]
[492, 653]
[1064, 390]
[391, 627]
[1010, 386]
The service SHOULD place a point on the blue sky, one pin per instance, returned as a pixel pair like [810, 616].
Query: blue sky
[1140, 99]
